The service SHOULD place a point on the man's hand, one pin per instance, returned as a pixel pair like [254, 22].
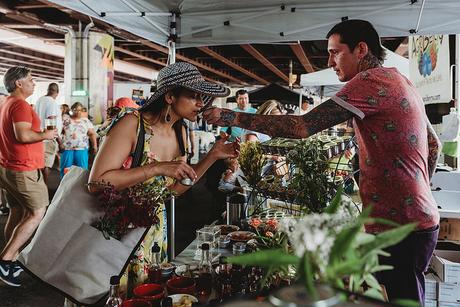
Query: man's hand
[50, 134]
[220, 117]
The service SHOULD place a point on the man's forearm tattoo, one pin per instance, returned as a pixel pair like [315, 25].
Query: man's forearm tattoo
[324, 116]
[227, 117]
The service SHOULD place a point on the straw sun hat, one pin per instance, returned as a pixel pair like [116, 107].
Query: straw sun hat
[182, 74]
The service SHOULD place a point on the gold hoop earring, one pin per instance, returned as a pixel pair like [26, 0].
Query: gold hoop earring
[167, 115]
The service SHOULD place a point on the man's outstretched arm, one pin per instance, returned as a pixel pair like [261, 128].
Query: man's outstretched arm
[325, 115]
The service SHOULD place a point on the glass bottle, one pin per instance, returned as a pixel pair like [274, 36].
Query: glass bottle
[204, 280]
[114, 299]
[154, 271]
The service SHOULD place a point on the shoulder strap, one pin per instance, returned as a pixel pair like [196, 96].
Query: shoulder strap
[180, 139]
[139, 150]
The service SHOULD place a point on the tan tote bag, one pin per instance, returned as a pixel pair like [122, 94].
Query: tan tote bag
[71, 255]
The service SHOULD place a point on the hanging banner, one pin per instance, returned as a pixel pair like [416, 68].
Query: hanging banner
[429, 67]
[101, 73]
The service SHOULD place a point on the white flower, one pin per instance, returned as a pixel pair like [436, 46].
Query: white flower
[315, 233]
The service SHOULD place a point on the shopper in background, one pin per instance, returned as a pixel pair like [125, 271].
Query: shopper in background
[77, 132]
[125, 102]
[398, 147]
[65, 109]
[269, 107]
[4, 209]
[242, 101]
[21, 161]
[48, 112]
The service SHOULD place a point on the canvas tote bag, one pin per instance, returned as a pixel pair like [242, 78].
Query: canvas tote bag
[71, 255]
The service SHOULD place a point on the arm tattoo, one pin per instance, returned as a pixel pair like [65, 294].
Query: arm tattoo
[434, 146]
[324, 116]
[227, 117]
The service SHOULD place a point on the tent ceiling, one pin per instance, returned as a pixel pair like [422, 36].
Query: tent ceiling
[232, 64]
[223, 22]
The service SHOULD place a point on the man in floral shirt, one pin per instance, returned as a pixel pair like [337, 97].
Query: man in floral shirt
[398, 148]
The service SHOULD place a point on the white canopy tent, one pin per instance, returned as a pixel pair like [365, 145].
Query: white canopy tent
[219, 22]
[328, 78]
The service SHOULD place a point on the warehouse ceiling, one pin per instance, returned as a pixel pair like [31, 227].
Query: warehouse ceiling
[242, 65]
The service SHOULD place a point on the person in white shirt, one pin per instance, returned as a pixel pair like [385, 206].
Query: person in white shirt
[47, 108]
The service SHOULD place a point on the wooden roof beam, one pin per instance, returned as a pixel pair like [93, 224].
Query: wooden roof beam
[34, 57]
[36, 72]
[139, 56]
[27, 63]
[232, 64]
[403, 48]
[262, 59]
[191, 61]
[302, 56]
[149, 59]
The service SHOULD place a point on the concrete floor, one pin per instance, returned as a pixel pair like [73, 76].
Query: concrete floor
[201, 205]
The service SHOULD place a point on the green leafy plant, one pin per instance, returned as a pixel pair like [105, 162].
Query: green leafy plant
[331, 248]
[310, 177]
[251, 161]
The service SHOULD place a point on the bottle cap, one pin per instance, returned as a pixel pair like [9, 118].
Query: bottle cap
[205, 246]
[114, 280]
[155, 248]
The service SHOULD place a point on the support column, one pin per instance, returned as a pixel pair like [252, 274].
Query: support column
[88, 71]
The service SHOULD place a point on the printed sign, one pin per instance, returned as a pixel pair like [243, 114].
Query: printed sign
[429, 67]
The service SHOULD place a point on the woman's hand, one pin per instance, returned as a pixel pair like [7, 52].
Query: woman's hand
[220, 150]
[174, 169]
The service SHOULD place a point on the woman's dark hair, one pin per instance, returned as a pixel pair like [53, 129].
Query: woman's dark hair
[354, 31]
[113, 111]
[14, 74]
[53, 88]
[157, 108]
[65, 108]
[76, 105]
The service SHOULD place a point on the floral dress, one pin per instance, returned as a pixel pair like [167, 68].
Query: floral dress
[137, 270]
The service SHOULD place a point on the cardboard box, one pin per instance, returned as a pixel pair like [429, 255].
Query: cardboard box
[449, 229]
[431, 287]
[430, 303]
[446, 265]
[448, 292]
[446, 304]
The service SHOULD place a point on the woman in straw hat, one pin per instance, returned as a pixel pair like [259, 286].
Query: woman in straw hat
[182, 93]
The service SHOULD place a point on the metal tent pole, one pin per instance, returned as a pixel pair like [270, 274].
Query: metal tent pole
[172, 235]
[172, 40]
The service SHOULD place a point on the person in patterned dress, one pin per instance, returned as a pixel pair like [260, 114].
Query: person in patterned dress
[398, 147]
[77, 132]
[181, 93]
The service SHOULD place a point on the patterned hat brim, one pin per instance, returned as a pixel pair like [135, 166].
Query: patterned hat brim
[208, 90]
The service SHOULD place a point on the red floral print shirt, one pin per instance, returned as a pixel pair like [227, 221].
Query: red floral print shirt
[391, 129]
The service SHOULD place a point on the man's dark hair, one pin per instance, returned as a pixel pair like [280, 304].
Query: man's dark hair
[354, 31]
[14, 74]
[240, 92]
[53, 88]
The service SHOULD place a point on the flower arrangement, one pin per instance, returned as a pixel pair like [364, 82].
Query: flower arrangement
[133, 207]
[267, 233]
[331, 248]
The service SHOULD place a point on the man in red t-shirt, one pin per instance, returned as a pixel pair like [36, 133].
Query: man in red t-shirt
[21, 161]
[398, 147]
